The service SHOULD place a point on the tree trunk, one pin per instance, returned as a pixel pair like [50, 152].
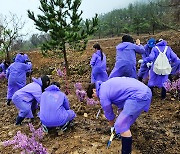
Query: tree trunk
[7, 55]
[65, 60]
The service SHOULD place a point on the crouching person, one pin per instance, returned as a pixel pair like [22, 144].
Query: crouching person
[54, 108]
[26, 98]
[129, 95]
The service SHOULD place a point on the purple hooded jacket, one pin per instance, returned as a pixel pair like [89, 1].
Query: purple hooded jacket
[144, 70]
[98, 67]
[16, 74]
[126, 60]
[3, 67]
[128, 94]
[54, 107]
[27, 96]
[117, 90]
[155, 79]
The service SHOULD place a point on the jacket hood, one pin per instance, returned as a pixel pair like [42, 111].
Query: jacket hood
[38, 81]
[123, 45]
[19, 58]
[98, 52]
[162, 43]
[52, 88]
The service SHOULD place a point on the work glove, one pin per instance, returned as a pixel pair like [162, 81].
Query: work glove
[112, 130]
[140, 61]
[117, 136]
[149, 64]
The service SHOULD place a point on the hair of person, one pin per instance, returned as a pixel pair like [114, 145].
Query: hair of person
[90, 90]
[45, 82]
[56, 83]
[127, 38]
[6, 63]
[98, 47]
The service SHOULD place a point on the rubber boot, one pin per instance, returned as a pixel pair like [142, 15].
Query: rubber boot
[8, 102]
[19, 120]
[126, 145]
[163, 93]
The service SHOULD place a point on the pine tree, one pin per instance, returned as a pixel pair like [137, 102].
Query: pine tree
[62, 20]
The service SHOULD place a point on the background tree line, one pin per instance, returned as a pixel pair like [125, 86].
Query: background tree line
[146, 16]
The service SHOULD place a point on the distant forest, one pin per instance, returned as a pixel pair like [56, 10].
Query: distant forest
[141, 17]
[148, 16]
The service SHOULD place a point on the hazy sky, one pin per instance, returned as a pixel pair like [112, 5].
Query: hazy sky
[89, 8]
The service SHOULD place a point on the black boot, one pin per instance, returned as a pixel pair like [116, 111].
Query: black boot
[126, 145]
[152, 90]
[19, 120]
[140, 78]
[8, 102]
[163, 93]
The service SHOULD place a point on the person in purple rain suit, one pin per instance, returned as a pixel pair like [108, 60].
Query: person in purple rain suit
[16, 74]
[144, 70]
[175, 69]
[26, 98]
[126, 58]
[98, 64]
[155, 79]
[54, 107]
[3, 68]
[127, 94]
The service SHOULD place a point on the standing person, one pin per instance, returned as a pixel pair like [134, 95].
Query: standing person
[129, 95]
[54, 107]
[16, 74]
[126, 58]
[156, 79]
[144, 69]
[98, 64]
[175, 69]
[26, 98]
[3, 68]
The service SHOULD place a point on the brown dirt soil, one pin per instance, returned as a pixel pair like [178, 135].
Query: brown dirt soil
[155, 132]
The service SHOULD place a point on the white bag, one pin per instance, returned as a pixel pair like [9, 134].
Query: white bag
[161, 64]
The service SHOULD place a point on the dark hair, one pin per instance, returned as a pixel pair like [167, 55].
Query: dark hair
[127, 38]
[56, 83]
[45, 82]
[97, 46]
[6, 63]
[90, 90]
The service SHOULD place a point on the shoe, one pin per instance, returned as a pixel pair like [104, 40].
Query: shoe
[19, 120]
[44, 128]
[8, 102]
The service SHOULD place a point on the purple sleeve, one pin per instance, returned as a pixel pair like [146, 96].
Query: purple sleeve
[66, 103]
[151, 56]
[37, 95]
[173, 56]
[107, 108]
[139, 49]
[93, 59]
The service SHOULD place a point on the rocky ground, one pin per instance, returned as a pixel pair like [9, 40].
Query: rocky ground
[155, 132]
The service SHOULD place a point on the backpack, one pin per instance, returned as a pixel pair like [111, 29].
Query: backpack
[161, 64]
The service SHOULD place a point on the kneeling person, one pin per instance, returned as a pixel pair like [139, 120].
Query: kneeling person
[54, 107]
[26, 98]
[129, 95]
